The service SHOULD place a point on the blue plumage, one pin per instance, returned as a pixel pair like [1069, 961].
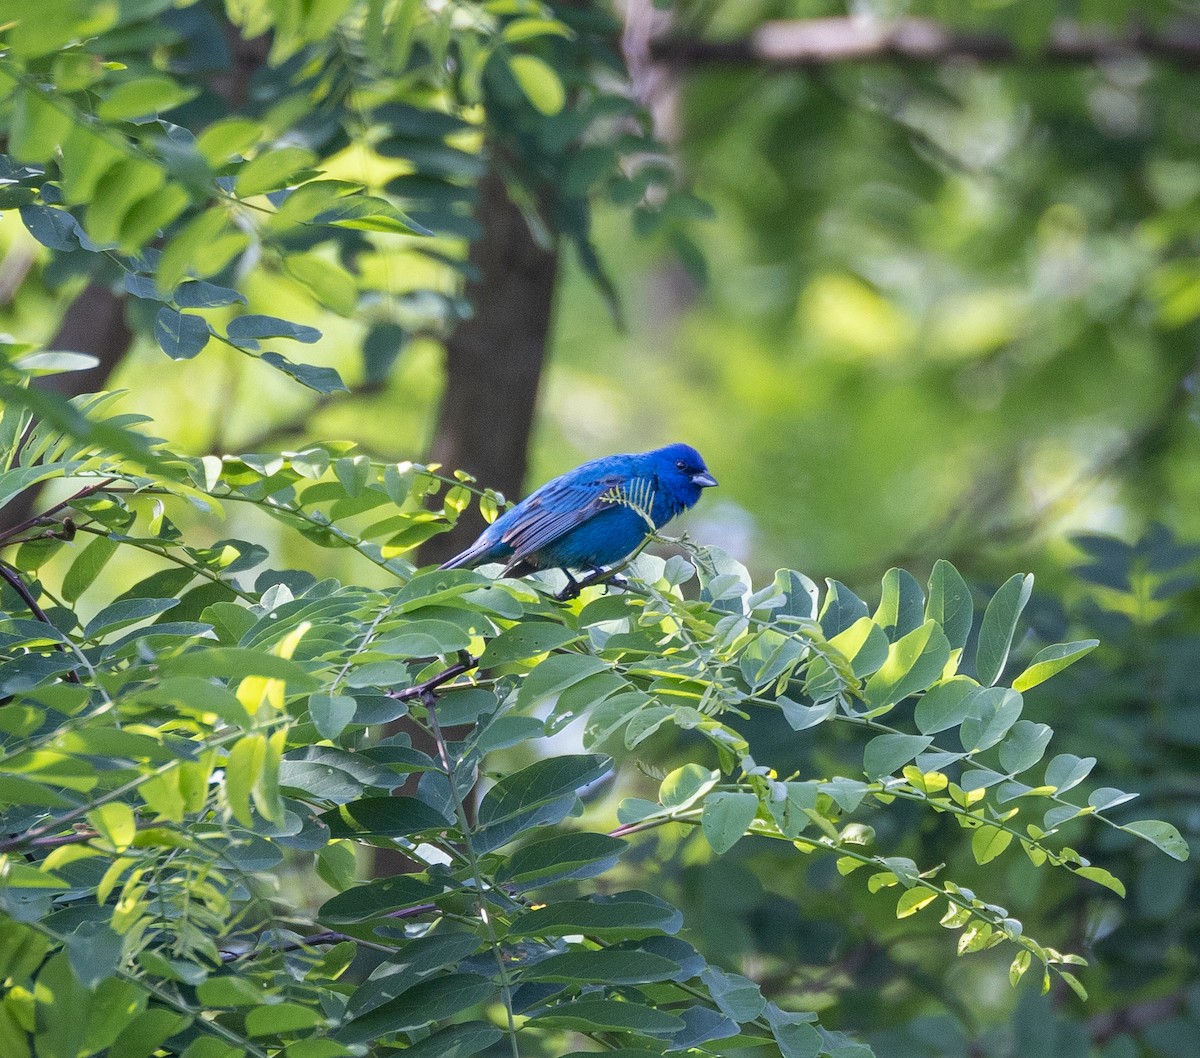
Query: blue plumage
[594, 515]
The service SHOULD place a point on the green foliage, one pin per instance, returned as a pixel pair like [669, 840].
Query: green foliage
[172, 756]
[362, 133]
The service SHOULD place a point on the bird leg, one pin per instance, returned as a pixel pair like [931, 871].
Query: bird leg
[573, 587]
[599, 574]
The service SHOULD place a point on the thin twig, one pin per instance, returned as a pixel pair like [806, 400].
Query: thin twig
[328, 936]
[49, 512]
[465, 663]
[18, 585]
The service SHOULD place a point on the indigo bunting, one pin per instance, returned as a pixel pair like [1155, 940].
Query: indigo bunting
[594, 515]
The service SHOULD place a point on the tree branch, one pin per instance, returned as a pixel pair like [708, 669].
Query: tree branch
[465, 663]
[13, 578]
[805, 43]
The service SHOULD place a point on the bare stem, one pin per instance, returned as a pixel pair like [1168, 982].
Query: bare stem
[18, 585]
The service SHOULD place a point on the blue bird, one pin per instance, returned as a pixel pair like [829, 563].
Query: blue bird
[594, 515]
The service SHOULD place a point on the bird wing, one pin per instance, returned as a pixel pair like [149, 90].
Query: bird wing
[557, 508]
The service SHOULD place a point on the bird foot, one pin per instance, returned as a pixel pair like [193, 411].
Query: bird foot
[600, 575]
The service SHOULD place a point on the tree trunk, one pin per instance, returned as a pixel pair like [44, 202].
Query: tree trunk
[93, 323]
[494, 359]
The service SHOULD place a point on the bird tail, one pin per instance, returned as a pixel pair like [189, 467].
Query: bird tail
[474, 555]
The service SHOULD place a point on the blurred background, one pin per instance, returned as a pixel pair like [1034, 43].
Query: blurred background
[915, 289]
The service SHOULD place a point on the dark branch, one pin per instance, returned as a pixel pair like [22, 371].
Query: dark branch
[803, 43]
[48, 514]
[18, 585]
[328, 936]
[425, 688]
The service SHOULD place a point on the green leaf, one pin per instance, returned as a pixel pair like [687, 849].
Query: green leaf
[555, 675]
[623, 916]
[865, 644]
[686, 785]
[434, 999]
[1162, 835]
[142, 97]
[913, 900]
[281, 1018]
[794, 1034]
[544, 780]
[417, 959]
[94, 951]
[143, 1036]
[252, 327]
[227, 137]
[320, 379]
[377, 898]
[791, 812]
[384, 817]
[86, 568]
[988, 842]
[53, 228]
[425, 638]
[17, 791]
[726, 817]
[801, 717]
[578, 855]
[994, 710]
[180, 334]
[331, 285]
[236, 663]
[456, 1041]
[272, 169]
[200, 294]
[115, 823]
[607, 1015]
[1075, 984]
[614, 966]
[887, 754]
[233, 991]
[242, 767]
[1067, 771]
[54, 362]
[914, 661]
[526, 640]
[331, 713]
[842, 608]
[945, 705]
[119, 614]
[1051, 660]
[539, 82]
[901, 605]
[1102, 877]
[738, 997]
[36, 130]
[1024, 746]
[999, 625]
[950, 603]
[526, 28]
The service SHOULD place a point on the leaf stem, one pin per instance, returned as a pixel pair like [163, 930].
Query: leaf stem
[429, 700]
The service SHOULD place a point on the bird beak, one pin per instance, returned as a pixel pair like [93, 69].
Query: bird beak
[704, 479]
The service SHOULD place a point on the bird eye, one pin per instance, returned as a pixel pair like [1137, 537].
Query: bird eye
[680, 465]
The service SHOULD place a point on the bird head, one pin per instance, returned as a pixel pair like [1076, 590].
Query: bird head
[680, 468]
